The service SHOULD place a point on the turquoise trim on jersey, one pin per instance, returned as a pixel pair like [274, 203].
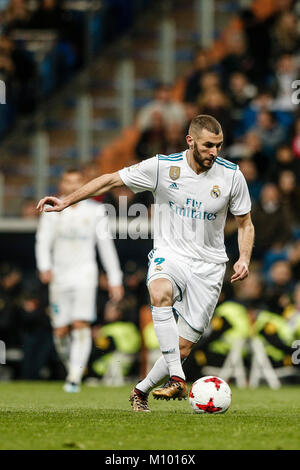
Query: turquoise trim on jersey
[175, 154]
[157, 174]
[174, 157]
[226, 164]
[178, 159]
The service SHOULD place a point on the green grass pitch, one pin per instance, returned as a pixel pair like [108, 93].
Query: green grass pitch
[40, 415]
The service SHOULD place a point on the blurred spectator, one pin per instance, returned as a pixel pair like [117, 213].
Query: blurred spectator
[285, 35]
[249, 170]
[210, 81]
[37, 339]
[285, 160]
[257, 33]
[290, 196]
[48, 15]
[193, 81]
[216, 103]
[240, 94]
[286, 72]
[152, 139]
[170, 110]
[250, 148]
[270, 132]
[191, 110]
[17, 15]
[262, 101]
[18, 70]
[279, 287]
[270, 220]
[251, 294]
[174, 139]
[237, 59]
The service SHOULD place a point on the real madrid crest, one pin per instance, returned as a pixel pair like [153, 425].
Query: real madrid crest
[174, 172]
[215, 192]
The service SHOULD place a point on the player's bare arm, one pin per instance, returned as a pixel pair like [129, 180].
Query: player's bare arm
[95, 187]
[245, 241]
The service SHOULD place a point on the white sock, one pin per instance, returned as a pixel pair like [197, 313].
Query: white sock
[62, 346]
[158, 372]
[168, 339]
[81, 346]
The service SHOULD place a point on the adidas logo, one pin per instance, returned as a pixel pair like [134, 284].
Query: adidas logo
[173, 186]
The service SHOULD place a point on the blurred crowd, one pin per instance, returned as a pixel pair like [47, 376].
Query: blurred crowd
[253, 93]
[27, 52]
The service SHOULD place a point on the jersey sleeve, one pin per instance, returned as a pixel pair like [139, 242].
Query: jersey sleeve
[142, 176]
[240, 202]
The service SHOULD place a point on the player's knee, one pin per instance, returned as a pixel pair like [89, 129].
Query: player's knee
[161, 293]
[161, 299]
[61, 331]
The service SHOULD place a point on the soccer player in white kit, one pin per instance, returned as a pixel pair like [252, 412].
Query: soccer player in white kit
[66, 260]
[193, 191]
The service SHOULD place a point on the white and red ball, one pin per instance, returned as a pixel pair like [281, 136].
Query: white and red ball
[210, 395]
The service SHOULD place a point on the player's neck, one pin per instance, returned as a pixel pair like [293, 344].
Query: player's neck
[193, 164]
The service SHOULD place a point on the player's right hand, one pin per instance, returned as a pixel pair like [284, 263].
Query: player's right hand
[56, 203]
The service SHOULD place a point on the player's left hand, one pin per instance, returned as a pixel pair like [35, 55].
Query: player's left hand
[116, 293]
[241, 271]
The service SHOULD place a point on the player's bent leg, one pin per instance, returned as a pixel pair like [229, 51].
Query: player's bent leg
[161, 295]
[81, 344]
[175, 388]
[160, 371]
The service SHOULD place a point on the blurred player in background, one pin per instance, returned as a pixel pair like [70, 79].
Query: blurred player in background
[193, 191]
[66, 260]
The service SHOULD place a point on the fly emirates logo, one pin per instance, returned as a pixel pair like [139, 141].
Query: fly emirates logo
[193, 209]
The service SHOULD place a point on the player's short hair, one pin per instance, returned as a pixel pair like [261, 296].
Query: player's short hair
[204, 121]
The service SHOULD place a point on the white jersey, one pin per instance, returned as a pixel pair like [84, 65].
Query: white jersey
[66, 241]
[190, 209]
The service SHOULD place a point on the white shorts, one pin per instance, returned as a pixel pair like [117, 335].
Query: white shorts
[196, 289]
[67, 306]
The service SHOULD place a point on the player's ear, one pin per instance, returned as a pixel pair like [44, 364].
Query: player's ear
[190, 141]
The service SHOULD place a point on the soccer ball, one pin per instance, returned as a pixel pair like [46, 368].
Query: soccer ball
[210, 395]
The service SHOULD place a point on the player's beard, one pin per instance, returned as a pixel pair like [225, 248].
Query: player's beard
[203, 162]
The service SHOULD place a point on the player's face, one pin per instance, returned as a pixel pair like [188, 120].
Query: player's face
[205, 148]
[70, 182]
